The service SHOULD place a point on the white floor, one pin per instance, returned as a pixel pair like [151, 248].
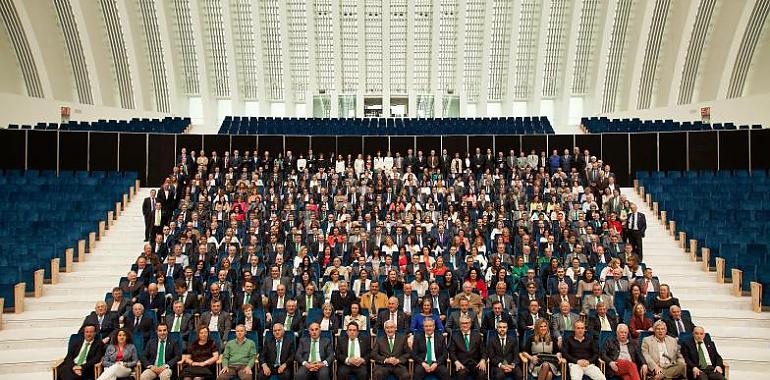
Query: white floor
[741, 335]
[32, 340]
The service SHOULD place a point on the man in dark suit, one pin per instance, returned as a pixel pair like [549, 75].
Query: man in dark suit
[277, 355]
[160, 356]
[602, 321]
[439, 301]
[222, 323]
[393, 313]
[148, 208]
[528, 319]
[118, 304]
[408, 300]
[678, 323]
[498, 314]
[352, 354]
[611, 355]
[138, 322]
[187, 298]
[144, 271]
[248, 296]
[172, 269]
[701, 356]
[453, 320]
[315, 355]
[179, 322]
[309, 300]
[500, 295]
[342, 299]
[635, 228]
[467, 353]
[503, 354]
[152, 300]
[104, 321]
[429, 352]
[292, 319]
[81, 357]
[390, 355]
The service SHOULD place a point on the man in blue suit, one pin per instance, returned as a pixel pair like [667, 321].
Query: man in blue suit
[315, 354]
[160, 356]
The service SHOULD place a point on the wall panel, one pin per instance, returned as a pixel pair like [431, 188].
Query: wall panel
[42, 147]
[133, 154]
[73, 150]
[104, 151]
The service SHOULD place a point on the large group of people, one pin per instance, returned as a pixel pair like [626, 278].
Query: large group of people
[478, 264]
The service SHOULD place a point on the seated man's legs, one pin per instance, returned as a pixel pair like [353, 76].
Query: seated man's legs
[474, 373]
[148, 374]
[381, 372]
[575, 371]
[344, 372]
[627, 370]
[594, 372]
[674, 371]
[441, 372]
[234, 371]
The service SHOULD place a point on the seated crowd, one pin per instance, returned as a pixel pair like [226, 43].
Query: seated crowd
[507, 266]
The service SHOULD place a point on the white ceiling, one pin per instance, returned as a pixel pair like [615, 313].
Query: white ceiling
[500, 57]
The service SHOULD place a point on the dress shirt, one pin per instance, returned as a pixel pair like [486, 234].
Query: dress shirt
[354, 347]
[214, 322]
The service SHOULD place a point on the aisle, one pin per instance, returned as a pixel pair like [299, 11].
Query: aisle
[32, 340]
[741, 335]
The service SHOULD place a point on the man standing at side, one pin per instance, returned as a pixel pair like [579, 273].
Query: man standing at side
[637, 224]
[148, 210]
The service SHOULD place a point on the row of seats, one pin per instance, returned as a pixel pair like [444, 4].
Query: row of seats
[165, 125]
[606, 125]
[236, 125]
[726, 211]
[45, 213]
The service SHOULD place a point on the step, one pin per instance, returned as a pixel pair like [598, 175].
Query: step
[60, 305]
[710, 321]
[29, 360]
[27, 375]
[43, 337]
[714, 300]
[756, 343]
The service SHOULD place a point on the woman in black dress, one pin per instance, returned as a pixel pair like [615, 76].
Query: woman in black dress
[199, 357]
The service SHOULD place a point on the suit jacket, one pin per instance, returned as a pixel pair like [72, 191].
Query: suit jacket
[553, 285]
[325, 352]
[589, 302]
[341, 353]
[443, 302]
[526, 320]
[297, 321]
[185, 326]
[341, 303]
[420, 349]
[468, 357]
[559, 323]
[172, 353]
[414, 301]
[267, 285]
[595, 325]
[672, 328]
[158, 303]
[654, 282]
[690, 354]
[611, 351]
[269, 351]
[402, 321]
[453, 320]
[381, 350]
[488, 321]
[380, 301]
[224, 322]
[652, 355]
[272, 302]
[256, 300]
[554, 301]
[145, 326]
[191, 303]
[474, 299]
[641, 224]
[94, 356]
[510, 303]
[302, 302]
[524, 301]
[498, 354]
[124, 305]
[609, 285]
[178, 271]
[130, 356]
[109, 323]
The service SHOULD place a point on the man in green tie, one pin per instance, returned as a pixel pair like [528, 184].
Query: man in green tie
[308, 300]
[160, 356]
[352, 354]
[701, 356]
[467, 353]
[390, 354]
[315, 355]
[430, 353]
[81, 357]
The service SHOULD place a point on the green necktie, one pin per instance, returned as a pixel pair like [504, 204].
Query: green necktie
[313, 356]
[390, 344]
[467, 342]
[429, 358]
[177, 324]
[308, 302]
[161, 354]
[568, 323]
[352, 348]
[247, 298]
[83, 354]
[288, 322]
[701, 356]
[278, 353]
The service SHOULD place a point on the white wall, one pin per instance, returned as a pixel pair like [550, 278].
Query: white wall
[748, 110]
[18, 109]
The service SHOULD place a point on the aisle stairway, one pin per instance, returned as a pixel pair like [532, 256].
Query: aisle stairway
[32, 340]
[741, 335]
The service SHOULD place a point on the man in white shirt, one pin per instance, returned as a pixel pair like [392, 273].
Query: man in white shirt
[352, 354]
[662, 354]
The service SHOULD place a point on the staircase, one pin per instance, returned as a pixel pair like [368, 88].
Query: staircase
[32, 340]
[741, 335]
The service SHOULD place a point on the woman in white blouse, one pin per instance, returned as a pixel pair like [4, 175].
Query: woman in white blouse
[361, 284]
[339, 166]
[389, 247]
[356, 316]
[419, 284]
[328, 320]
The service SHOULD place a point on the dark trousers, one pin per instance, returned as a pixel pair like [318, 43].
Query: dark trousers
[471, 372]
[382, 371]
[498, 374]
[286, 375]
[635, 239]
[65, 373]
[709, 374]
[441, 372]
[344, 371]
[148, 230]
[322, 374]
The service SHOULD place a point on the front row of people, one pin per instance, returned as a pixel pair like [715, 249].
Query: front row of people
[660, 355]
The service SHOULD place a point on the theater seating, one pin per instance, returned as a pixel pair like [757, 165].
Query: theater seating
[237, 125]
[726, 211]
[165, 125]
[43, 214]
[606, 125]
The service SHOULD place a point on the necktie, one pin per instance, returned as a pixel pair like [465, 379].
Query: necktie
[502, 302]
[161, 354]
[170, 271]
[393, 317]
[83, 354]
[390, 344]
[247, 298]
[372, 306]
[278, 345]
[313, 353]
[701, 356]
[680, 325]
[467, 342]
[435, 302]
[617, 285]
[352, 348]
[288, 322]
[177, 323]
[605, 324]
[429, 357]
[308, 303]
[568, 323]
[502, 342]
[101, 319]
[136, 322]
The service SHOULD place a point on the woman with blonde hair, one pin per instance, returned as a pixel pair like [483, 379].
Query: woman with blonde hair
[542, 352]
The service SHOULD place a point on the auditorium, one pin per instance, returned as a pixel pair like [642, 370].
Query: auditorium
[384, 189]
